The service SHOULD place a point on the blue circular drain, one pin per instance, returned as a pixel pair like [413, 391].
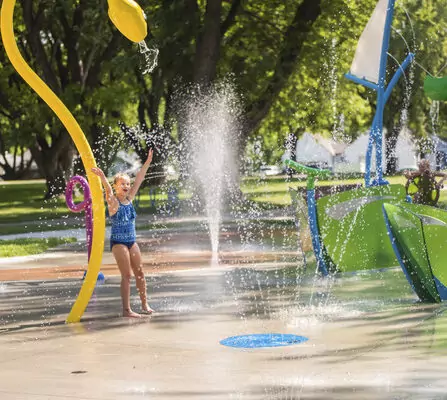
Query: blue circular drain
[262, 340]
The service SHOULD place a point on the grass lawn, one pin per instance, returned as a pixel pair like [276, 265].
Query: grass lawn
[275, 191]
[25, 247]
[23, 210]
[22, 201]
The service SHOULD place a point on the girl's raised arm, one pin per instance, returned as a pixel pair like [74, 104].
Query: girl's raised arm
[140, 176]
[112, 201]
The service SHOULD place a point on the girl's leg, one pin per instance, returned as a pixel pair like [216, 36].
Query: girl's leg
[137, 267]
[122, 257]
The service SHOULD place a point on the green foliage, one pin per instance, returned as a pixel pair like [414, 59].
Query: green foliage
[317, 97]
[420, 27]
[97, 75]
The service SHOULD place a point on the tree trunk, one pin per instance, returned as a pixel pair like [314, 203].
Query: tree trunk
[306, 15]
[55, 181]
[155, 141]
[51, 159]
[48, 163]
[66, 161]
[208, 45]
[290, 147]
[99, 144]
[15, 172]
[10, 173]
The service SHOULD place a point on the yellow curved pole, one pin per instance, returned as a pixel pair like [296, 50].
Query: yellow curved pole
[129, 19]
[135, 32]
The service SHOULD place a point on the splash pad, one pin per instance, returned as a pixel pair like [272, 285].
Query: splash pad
[197, 308]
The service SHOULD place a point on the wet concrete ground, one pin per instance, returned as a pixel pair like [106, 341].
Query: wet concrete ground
[368, 336]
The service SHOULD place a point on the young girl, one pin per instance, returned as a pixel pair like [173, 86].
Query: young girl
[123, 238]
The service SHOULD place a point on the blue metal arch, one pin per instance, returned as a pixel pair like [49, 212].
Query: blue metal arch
[383, 94]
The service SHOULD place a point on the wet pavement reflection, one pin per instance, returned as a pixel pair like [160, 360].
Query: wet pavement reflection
[369, 337]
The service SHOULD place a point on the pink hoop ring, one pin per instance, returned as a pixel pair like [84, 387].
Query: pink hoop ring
[86, 205]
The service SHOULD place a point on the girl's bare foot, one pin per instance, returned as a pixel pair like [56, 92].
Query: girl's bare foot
[130, 314]
[147, 309]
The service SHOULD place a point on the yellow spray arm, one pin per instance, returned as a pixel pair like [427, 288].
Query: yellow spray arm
[129, 19]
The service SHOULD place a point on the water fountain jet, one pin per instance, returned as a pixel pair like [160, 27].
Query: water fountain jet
[210, 126]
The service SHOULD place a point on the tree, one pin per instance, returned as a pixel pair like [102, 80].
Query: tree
[285, 57]
[201, 43]
[13, 128]
[317, 97]
[63, 46]
[417, 28]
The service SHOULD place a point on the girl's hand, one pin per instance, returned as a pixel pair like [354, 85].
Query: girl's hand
[98, 172]
[149, 157]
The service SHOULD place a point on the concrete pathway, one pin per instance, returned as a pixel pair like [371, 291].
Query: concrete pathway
[144, 220]
[366, 341]
[368, 337]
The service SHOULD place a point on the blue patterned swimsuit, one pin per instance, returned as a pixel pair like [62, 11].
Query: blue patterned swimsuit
[123, 226]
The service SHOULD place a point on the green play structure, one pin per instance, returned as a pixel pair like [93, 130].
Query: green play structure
[378, 226]
[347, 229]
[351, 226]
[418, 234]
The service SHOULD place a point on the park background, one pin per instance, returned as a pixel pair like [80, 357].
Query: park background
[279, 64]
[236, 85]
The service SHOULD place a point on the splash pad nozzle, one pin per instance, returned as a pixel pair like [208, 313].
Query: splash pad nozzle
[129, 19]
[312, 173]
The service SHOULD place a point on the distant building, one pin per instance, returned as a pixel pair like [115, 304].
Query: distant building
[125, 162]
[406, 154]
[317, 151]
[438, 157]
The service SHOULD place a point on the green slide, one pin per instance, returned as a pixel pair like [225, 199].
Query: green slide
[352, 229]
[419, 236]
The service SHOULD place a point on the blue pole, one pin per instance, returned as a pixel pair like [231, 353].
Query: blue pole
[363, 82]
[397, 75]
[377, 128]
[386, 43]
[315, 233]
[383, 94]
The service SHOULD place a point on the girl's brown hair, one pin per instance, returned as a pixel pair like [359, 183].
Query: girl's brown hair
[120, 175]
